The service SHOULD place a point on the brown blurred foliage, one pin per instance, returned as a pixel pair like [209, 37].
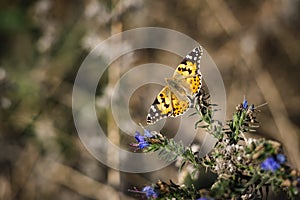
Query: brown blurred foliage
[255, 44]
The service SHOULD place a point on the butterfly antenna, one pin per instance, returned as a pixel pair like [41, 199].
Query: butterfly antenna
[141, 126]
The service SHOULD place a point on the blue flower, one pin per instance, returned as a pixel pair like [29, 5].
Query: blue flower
[148, 133]
[270, 164]
[142, 143]
[245, 104]
[150, 192]
[280, 158]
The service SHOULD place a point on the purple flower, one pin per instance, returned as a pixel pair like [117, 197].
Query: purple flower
[245, 104]
[203, 198]
[280, 158]
[142, 142]
[270, 164]
[150, 192]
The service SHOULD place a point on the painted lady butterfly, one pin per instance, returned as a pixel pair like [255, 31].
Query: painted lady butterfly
[181, 90]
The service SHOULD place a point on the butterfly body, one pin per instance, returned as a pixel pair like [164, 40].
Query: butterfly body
[181, 89]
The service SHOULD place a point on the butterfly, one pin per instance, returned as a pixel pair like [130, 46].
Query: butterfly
[181, 90]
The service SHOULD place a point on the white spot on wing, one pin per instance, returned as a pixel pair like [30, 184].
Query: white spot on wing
[189, 57]
[153, 109]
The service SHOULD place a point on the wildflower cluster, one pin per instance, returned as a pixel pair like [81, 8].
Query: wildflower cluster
[244, 168]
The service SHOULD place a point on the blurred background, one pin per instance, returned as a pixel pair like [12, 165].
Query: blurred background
[255, 44]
